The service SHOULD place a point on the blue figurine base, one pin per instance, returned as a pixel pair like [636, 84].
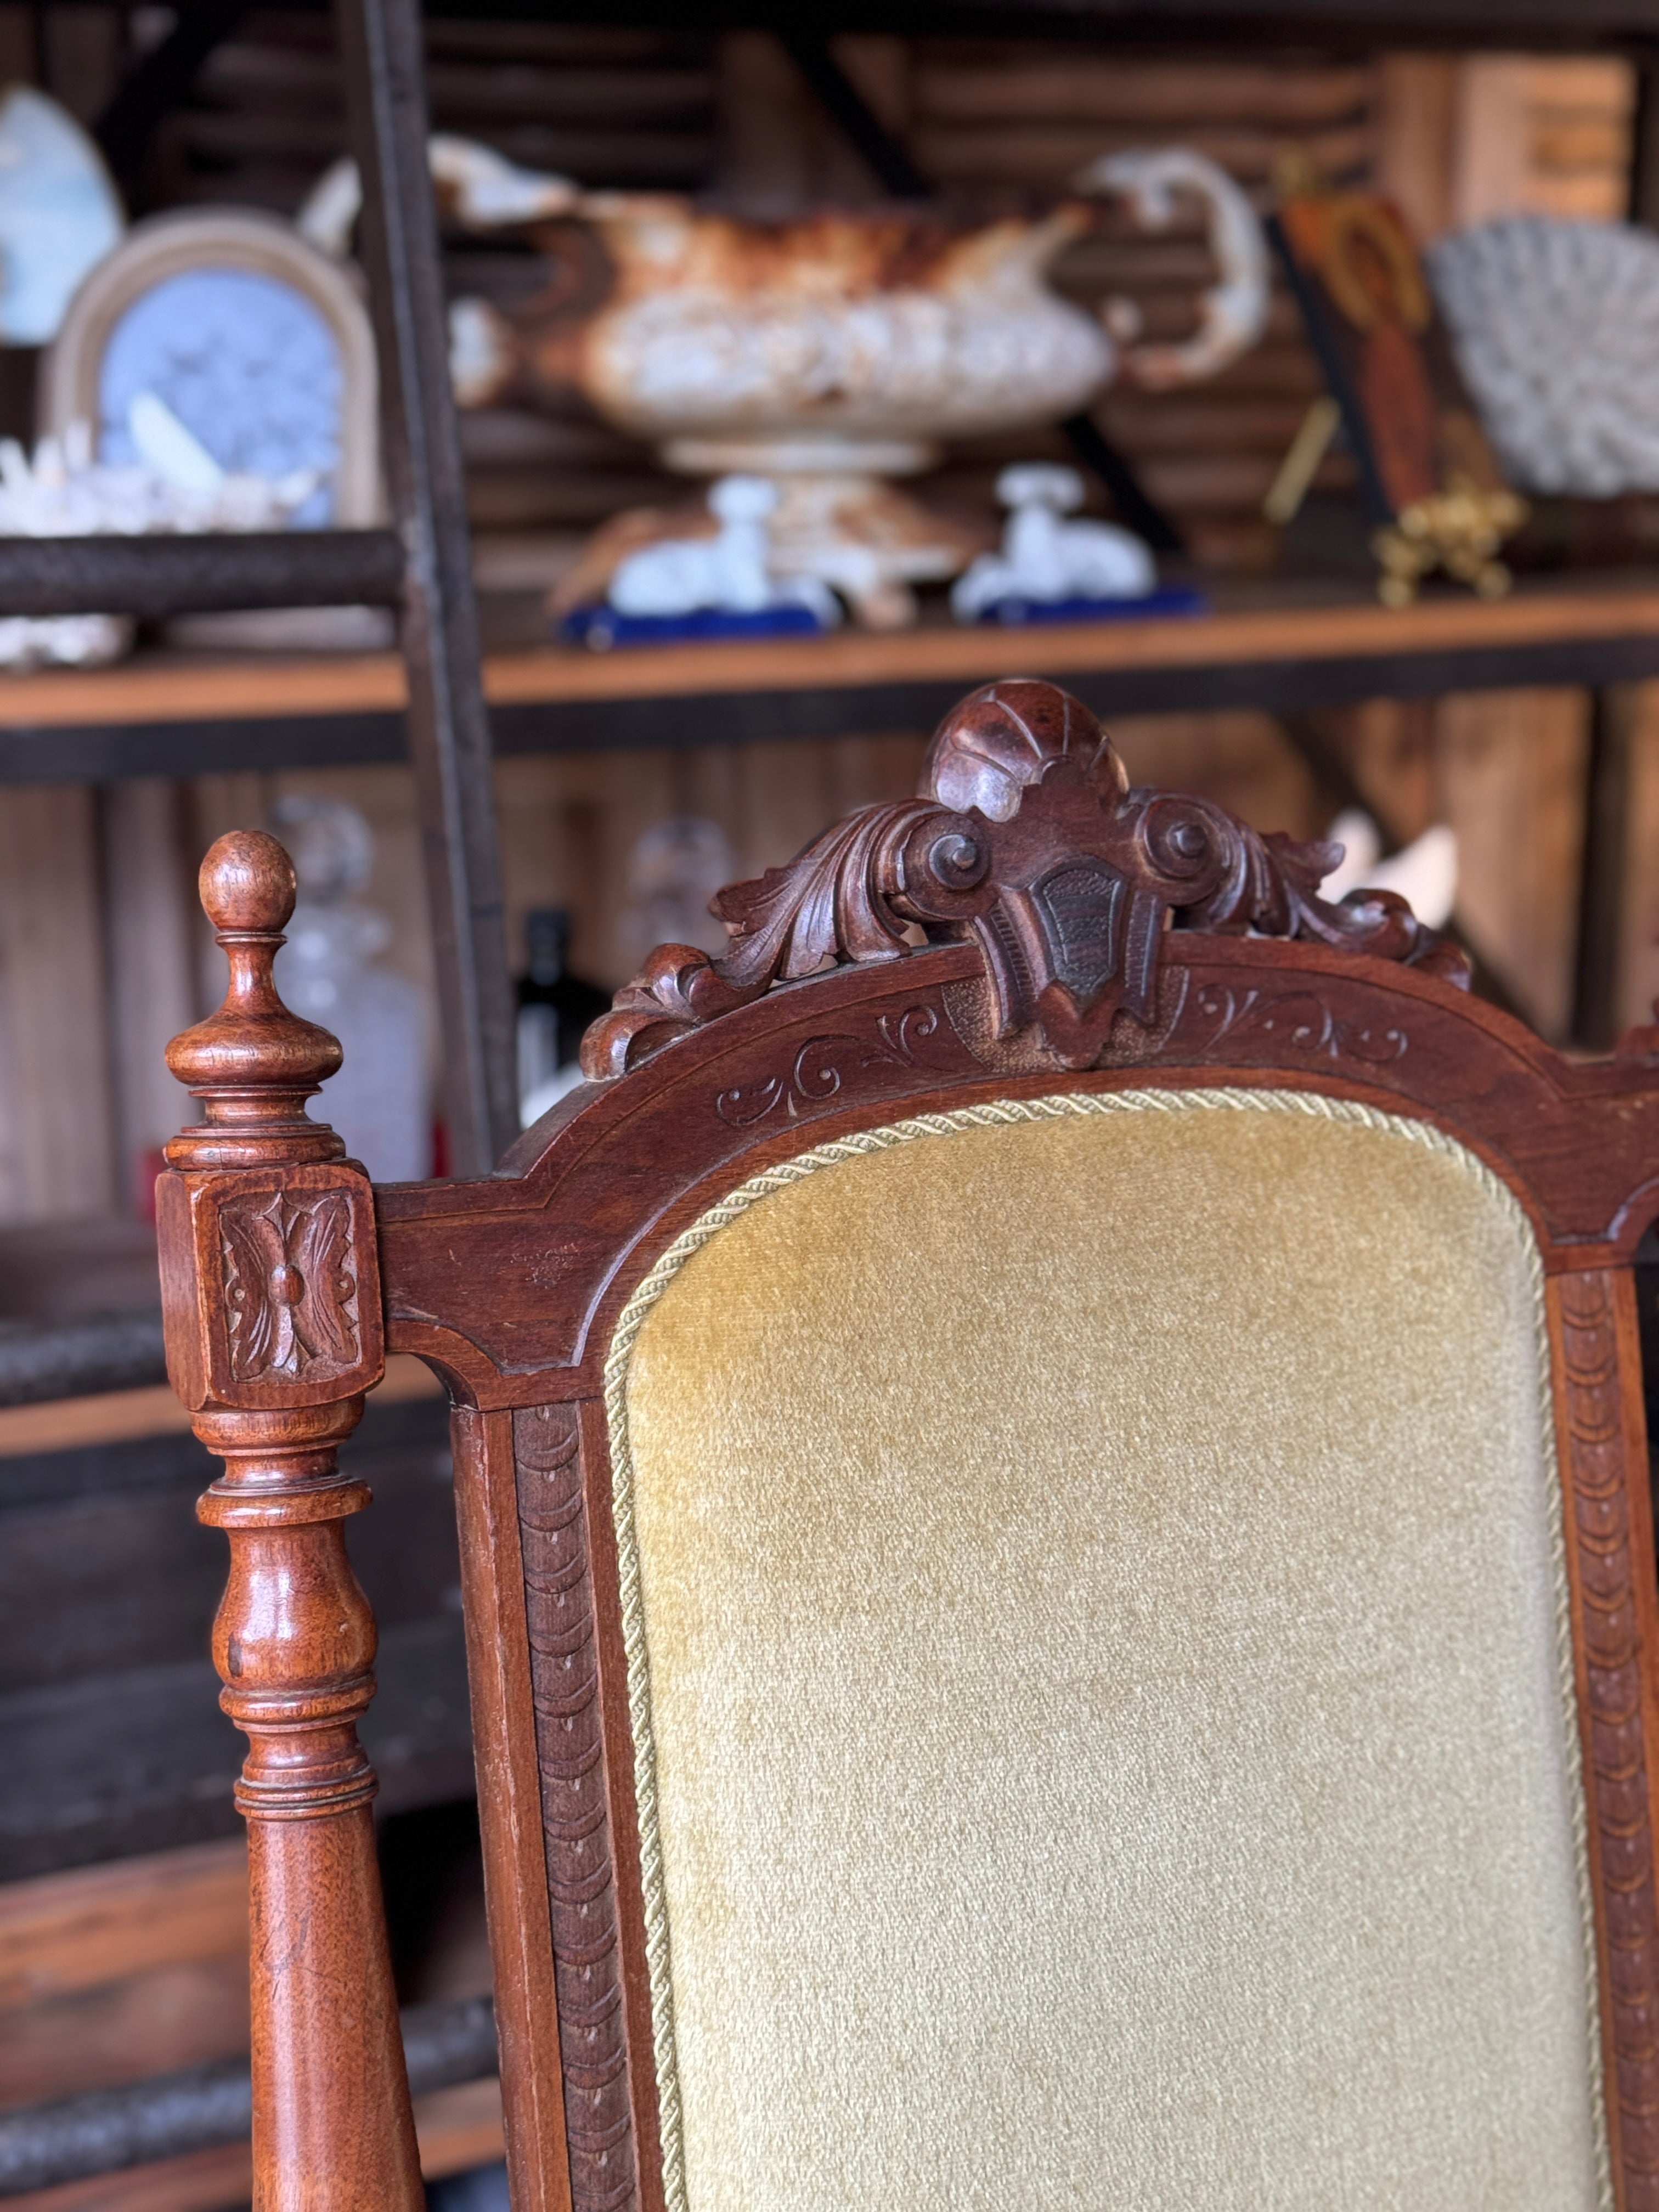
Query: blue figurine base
[1167, 599]
[599, 629]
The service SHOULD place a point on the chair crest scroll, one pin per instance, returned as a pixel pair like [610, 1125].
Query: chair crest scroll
[1027, 837]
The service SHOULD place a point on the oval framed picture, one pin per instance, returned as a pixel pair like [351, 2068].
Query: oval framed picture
[258, 343]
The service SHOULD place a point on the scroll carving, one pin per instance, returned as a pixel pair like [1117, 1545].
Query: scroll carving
[290, 1290]
[1027, 839]
[825, 1064]
[575, 1818]
[1598, 1476]
[1299, 1021]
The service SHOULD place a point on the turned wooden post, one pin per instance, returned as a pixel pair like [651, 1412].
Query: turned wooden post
[271, 1284]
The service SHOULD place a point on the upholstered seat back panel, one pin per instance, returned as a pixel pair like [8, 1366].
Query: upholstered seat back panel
[1095, 1613]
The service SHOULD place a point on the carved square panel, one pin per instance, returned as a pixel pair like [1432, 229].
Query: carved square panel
[289, 1286]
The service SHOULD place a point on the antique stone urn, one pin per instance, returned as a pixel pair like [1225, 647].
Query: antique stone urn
[834, 351]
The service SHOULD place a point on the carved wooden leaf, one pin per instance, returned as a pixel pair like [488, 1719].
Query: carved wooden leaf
[832, 902]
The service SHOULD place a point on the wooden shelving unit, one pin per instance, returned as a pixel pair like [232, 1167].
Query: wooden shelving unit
[1278, 649]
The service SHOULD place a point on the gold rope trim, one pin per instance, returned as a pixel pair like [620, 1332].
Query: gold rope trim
[1001, 1112]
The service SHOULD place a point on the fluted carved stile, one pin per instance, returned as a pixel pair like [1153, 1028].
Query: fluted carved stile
[271, 1289]
[1598, 1475]
[570, 1752]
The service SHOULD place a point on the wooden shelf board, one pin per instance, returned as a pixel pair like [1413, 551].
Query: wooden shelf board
[176, 689]
[119, 1417]
[1253, 635]
[178, 716]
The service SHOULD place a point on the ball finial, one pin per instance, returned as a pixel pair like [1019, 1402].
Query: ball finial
[248, 884]
[253, 1064]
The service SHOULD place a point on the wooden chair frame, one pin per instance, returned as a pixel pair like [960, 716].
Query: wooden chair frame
[1028, 924]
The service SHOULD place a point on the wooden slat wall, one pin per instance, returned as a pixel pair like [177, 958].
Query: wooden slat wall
[1030, 115]
[1580, 116]
[57, 1151]
[110, 1974]
[618, 106]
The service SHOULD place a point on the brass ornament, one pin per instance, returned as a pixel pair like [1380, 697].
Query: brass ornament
[1460, 531]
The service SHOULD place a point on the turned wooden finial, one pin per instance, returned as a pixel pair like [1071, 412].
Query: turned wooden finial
[269, 1279]
[253, 1064]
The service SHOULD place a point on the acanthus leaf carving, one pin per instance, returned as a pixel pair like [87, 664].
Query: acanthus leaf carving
[834, 901]
[1269, 887]
[838, 902]
[1026, 837]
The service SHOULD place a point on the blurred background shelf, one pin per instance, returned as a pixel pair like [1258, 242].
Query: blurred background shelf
[1268, 647]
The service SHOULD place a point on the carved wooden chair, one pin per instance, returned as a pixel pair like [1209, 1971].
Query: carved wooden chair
[1058, 1568]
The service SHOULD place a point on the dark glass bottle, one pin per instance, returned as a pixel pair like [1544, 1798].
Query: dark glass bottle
[555, 1007]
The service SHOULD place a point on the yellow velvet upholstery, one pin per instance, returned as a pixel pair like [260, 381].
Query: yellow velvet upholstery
[1093, 1585]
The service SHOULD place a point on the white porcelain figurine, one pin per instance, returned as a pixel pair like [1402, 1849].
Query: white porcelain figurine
[1044, 559]
[1425, 873]
[730, 572]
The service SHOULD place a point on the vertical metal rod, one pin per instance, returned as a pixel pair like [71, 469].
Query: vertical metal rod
[448, 723]
[1603, 887]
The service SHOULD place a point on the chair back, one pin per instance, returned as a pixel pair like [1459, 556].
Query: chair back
[1060, 1586]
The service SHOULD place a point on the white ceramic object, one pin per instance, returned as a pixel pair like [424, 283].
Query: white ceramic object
[329, 970]
[1045, 559]
[852, 337]
[731, 571]
[831, 352]
[826, 351]
[30, 641]
[1425, 873]
[259, 345]
[59, 214]
[1233, 313]
[482, 190]
[1556, 328]
[174, 486]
